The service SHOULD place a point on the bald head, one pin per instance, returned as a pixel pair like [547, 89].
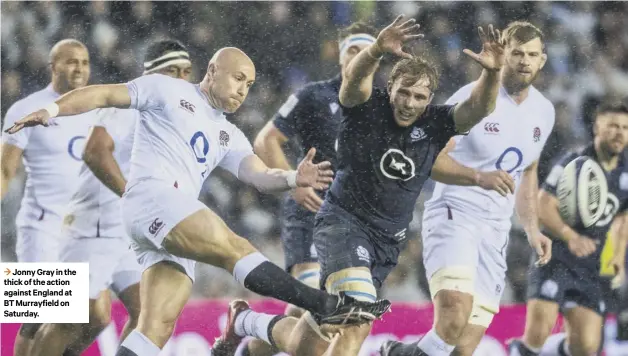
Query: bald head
[69, 64]
[230, 74]
[62, 47]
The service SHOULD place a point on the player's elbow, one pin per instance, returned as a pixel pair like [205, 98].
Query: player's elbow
[260, 143]
[353, 95]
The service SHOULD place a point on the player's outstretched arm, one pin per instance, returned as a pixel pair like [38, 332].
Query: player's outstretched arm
[483, 98]
[253, 171]
[357, 84]
[98, 156]
[11, 156]
[619, 239]
[76, 102]
[526, 205]
[448, 171]
[268, 146]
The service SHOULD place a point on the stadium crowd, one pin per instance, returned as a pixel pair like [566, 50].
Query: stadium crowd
[295, 42]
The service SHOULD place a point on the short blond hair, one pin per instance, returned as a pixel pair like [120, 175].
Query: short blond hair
[522, 32]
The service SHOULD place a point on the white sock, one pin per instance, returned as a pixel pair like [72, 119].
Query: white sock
[433, 345]
[552, 344]
[246, 264]
[140, 344]
[527, 349]
[250, 323]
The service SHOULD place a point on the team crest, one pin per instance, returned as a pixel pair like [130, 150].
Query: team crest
[224, 138]
[417, 134]
[536, 135]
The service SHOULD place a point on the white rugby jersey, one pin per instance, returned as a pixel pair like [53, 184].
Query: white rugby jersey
[510, 139]
[94, 210]
[52, 157]
[180, 138]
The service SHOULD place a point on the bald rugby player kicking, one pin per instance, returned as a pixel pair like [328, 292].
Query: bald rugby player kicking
[181, 137]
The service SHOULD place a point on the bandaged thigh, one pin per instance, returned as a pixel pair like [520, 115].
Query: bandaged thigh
[455, 278]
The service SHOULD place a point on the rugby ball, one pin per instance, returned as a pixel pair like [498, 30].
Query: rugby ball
[582, 191]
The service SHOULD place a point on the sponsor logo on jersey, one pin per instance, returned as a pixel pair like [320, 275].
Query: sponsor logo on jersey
[186, 105]
[156, 226]
[491, 127]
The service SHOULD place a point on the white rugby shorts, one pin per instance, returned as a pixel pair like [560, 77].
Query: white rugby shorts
[112, 263]
[150, 209]
[452, 238]
[37, 245]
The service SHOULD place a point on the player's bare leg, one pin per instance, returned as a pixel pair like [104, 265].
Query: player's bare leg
[349, 340]
[204, 237]
[583, 333]
[273, 330]
[54, 339]
[24, 339]
[307, 273]
[471, 337]
[451, 313]
[540, 320]
[130, 298]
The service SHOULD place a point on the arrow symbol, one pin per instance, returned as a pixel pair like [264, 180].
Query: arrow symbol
[7, 271]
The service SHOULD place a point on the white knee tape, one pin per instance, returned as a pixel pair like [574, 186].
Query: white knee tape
[481, 316]
[458, 278]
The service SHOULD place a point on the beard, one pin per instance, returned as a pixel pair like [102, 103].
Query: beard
[516, 82]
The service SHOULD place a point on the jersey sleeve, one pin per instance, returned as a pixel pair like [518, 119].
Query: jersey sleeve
[147, 91]
[20, 138]
[294, 110]
[461, 94]
[105, 117]
[240, 148]
[550, 183]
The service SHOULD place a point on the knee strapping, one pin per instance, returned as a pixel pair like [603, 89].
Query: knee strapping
[457, 278]
[481, 315]
[310, 277]
[356, 283]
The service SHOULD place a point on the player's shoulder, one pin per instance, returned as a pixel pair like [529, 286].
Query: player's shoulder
[33, 100]
[320, 89]
[167, 81]
[29, 104]
[542, 102]
[574, 153]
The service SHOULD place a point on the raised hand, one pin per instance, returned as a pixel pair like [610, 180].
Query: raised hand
[392, 38]
[315, 175]
[40, 117]
[493, 54]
